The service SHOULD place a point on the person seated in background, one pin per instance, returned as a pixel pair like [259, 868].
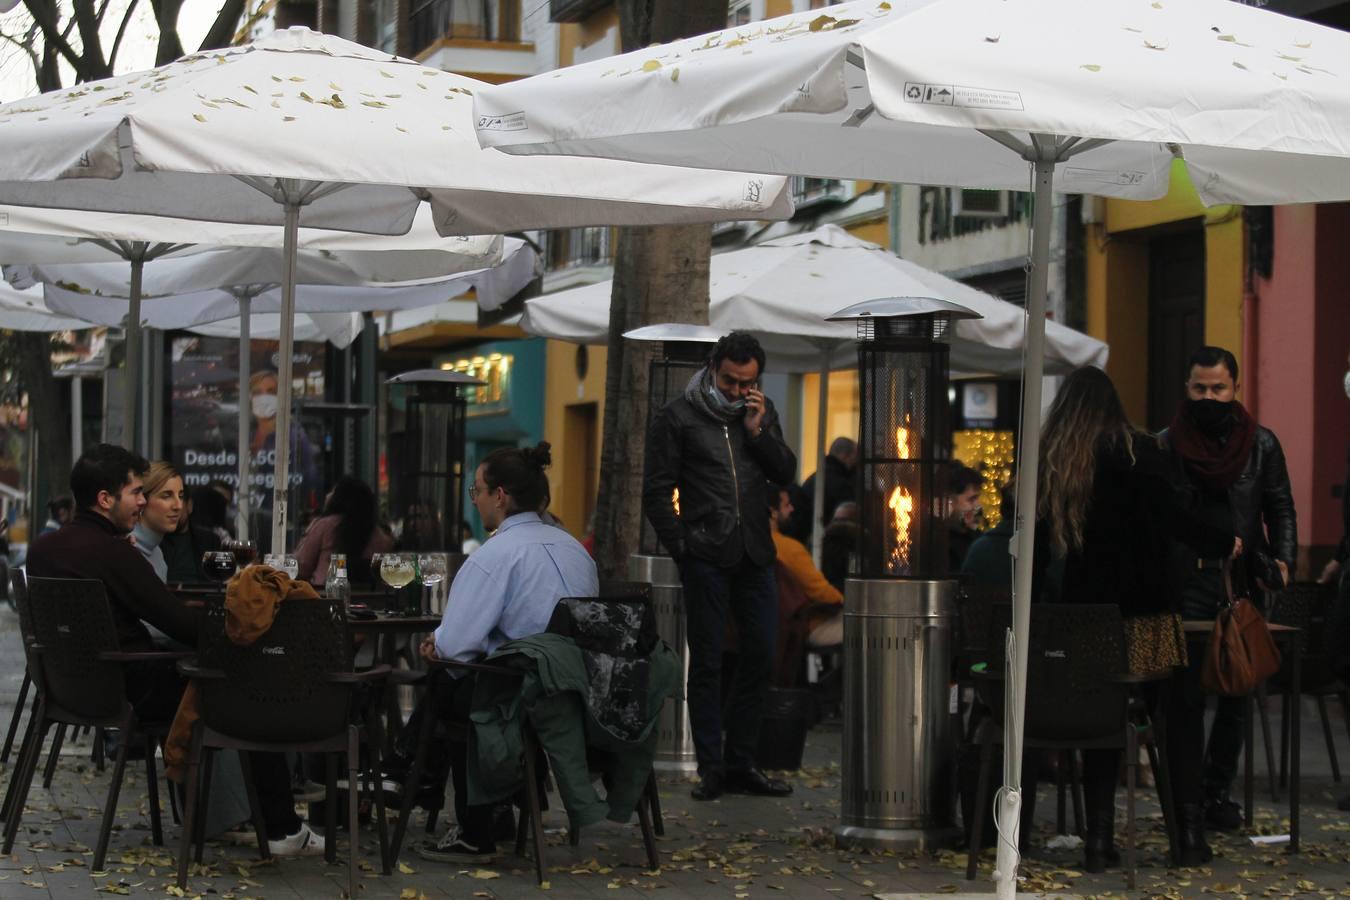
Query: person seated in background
[801, 586]
[988, 561]
[164, 510]
[840, 543]
[108, 489]
[347, 525]
[963, 512]
[840, 487]
[210, 511]
[184, 548]
[467, 541]
[59, 511]
[505, 590]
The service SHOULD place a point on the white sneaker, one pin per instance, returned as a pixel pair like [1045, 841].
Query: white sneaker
[452, 848]
[304, 842]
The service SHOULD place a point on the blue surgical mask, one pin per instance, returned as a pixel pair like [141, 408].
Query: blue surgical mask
[720, 400]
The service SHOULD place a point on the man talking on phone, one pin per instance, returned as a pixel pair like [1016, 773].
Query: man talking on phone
[718, 445]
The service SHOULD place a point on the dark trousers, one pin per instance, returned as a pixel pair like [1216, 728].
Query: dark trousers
[155, 691]
[747, 595]
[1215, 762]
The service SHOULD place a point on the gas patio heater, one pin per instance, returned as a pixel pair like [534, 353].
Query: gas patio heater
[430, 490]
[680, 351]
[899, 611]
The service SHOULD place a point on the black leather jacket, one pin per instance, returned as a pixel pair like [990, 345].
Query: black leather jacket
[721, 474]
[1261, 499]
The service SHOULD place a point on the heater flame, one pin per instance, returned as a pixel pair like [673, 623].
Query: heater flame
[675, 499]
[901, 505]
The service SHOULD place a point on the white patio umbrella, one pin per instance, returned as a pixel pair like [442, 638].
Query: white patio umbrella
[238, 282]
[42, 236]
[1084, 97]
[304, 126]
[25, 310]
[782, 290]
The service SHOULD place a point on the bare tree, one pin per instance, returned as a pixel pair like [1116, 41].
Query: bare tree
[660, 275]
[87, 39]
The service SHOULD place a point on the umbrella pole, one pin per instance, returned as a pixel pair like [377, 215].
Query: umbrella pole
[1009, 807]
[818, 502]
[131, 392]
[282, 468]
[241, 494]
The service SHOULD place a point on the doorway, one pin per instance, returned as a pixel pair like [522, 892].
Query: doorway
[1176, 318]
[581, 461]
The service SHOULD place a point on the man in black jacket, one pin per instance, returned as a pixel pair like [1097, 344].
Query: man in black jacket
[106, 482]
[718, 445]
[1233, 474]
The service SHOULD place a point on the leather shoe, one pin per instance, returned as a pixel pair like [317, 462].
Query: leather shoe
[709, 787]
[1223, 814]
[753, 781]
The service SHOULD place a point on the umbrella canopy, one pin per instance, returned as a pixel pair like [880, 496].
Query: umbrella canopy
[25, 310]
[208, 285]
[1222, 85]
[304, 126]
[782, 290]
[1093, 98]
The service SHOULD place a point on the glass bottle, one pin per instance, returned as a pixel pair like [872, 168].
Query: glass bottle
[337, 587]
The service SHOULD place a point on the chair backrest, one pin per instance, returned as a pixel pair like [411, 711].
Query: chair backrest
[1308, 606]
[70, 622]
[18, 590]
[277, 688]
[974, 603]
[616, 636]
[1075, 651]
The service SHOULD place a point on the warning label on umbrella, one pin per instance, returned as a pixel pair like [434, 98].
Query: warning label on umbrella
[960, 95]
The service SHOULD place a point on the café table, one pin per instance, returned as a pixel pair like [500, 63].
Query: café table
[1286, 639]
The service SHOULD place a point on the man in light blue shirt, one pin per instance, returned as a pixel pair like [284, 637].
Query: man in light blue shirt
[506, 590]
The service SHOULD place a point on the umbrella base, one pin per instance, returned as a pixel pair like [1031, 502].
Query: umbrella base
[939, 838]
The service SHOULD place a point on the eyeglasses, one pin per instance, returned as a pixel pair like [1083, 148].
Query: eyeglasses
[474, 492]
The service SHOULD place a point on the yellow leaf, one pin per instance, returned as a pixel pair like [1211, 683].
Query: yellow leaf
[651, 65]
[1091, 67]
[297, 79]
[288, 118]
[385, 74]
[884, 7]
[545, 886]
[306, 97]
[375, 104]
[675, 74]
[406, 869]
[484, 874]
[821, 23]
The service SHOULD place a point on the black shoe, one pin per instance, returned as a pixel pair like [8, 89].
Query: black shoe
[1194, 850]
[1098, 856]
[1223, 814]
[753, 781]
[1343, 804]
[709, 787]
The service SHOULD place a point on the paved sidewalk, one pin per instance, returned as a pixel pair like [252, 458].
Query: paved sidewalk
[738, 848]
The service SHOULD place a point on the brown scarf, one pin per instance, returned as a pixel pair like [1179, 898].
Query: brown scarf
[1215, 464]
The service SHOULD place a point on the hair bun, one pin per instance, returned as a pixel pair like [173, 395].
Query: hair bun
[538, 455]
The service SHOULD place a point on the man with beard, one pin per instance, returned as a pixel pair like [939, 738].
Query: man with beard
[720, 445]
[1232, 473]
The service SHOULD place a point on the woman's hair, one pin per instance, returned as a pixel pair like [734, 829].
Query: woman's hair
[156, 476]
[520, 472]
[353, 502]
[1086, 413]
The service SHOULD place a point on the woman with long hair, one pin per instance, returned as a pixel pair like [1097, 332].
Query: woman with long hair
[1106, 508]
[346, 525]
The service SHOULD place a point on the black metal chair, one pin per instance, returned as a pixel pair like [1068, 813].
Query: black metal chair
[17, 588]
[1307, 606]
[530, 824]
[78, 671]
[292, 690]
[1078, 697]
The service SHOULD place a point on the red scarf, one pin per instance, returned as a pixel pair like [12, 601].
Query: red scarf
[1213, 463]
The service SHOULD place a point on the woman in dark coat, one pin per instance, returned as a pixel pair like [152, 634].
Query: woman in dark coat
[1107, 509]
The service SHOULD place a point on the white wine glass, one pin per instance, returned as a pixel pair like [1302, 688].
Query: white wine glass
[432, 567]
[396, 570]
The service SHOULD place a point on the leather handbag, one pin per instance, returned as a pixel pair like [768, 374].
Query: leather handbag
[1241, 652]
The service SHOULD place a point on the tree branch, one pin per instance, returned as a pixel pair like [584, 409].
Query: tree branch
[91, 43]
[27, 48]
[47, 17]
[223, 28]
[121, 32]
[166, 17]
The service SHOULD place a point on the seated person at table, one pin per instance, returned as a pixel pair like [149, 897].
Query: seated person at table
[804, 595]
[506, 590]
[108, 489]
[347, 525]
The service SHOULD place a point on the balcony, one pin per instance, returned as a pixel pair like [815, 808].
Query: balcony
[574, 10]
[476, 21]
[571, 248]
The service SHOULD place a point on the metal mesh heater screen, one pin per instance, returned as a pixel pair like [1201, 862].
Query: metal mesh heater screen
[431, 492]
[668, 374]
[905, 434]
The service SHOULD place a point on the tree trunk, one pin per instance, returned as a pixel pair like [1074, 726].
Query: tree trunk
[660, 275]
[46, 409]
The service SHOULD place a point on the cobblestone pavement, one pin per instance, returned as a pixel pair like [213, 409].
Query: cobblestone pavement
[736, 848]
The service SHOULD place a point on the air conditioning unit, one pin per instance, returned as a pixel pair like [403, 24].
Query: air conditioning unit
[980, 204]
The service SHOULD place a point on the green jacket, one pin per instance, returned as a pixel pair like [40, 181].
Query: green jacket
[553, 692]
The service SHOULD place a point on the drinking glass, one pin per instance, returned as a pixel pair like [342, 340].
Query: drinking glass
[432, 567]
[219, 565]
[288, 564]
[245, 552]
[397, 571]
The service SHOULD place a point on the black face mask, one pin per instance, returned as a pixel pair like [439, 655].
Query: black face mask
[1213, 417]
